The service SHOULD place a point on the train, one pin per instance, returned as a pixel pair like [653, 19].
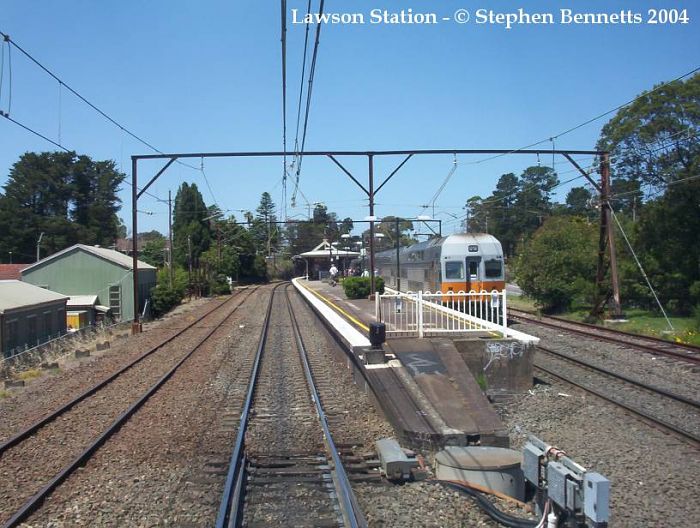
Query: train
[450, 264]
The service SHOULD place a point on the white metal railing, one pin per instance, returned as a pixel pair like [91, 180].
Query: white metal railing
[428, 314]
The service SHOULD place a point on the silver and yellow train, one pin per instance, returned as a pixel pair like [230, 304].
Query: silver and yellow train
[464, 262]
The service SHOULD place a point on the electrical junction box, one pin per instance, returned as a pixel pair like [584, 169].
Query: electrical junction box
[596, 497]
[532, 457]
[558, 488]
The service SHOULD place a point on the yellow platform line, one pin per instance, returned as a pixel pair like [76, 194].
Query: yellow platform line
[338, 308]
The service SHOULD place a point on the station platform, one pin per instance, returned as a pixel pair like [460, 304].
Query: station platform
[424, 388]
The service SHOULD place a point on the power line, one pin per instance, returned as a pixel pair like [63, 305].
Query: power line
[42, 136]
[589, 121]
[7, 38]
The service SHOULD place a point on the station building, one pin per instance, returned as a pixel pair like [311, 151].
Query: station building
[29, 316]
[98, 280]
[318, 261]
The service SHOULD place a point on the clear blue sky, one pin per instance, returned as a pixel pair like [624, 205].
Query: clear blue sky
[206, 76]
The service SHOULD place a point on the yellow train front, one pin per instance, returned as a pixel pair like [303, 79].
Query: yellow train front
[468, 262]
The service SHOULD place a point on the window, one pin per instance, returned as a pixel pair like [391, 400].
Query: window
[473, 270]
[115, 300]
[454, 270]
[493, 269]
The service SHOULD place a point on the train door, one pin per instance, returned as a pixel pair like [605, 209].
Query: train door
[472, 275]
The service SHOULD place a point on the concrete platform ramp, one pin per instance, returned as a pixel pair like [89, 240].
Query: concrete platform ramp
[437, 376]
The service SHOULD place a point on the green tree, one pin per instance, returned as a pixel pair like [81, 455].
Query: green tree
[69, 198]
[191, 229]
[653, 142]
[578, 201]
[558, 265]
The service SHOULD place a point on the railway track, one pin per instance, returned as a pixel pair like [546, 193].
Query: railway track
[661, 408]
[33, 467]
[285, 468]
[653, 345]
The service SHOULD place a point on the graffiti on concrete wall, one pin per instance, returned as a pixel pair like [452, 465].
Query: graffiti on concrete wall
[503, 350]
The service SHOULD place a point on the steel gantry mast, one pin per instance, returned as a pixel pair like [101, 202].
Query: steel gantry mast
[606, 230]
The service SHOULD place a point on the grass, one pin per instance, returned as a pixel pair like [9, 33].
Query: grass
[4, 394]
[639, 321]
[650, 324]
[29, 374]
[521, 302]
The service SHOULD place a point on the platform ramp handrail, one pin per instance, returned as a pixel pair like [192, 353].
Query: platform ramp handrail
[420, 313]
[424, 314]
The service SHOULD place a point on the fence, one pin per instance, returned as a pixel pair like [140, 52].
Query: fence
[25, 357]
[430, 314]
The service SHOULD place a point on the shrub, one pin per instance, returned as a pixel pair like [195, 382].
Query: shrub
[164, 299]
[359, 287]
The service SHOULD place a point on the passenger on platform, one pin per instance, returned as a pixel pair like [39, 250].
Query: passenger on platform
[333, 272]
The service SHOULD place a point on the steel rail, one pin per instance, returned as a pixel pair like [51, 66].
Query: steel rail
[622, 377]
[661, 341]
[348, 500]
[229, 509]
[29, 431]
[32, 504]
[692, 438]
[607, 334]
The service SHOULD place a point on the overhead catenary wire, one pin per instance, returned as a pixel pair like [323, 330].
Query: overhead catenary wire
[309, 91]
[283, 7]
[301, 82]
[122, 127]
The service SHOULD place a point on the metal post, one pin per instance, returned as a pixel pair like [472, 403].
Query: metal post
[504, 313]
[135, 325]
[370, 159]
[170, 239]
[419, 307]
[38, 247]
[398, 251]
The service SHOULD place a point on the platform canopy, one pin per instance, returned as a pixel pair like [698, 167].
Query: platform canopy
[326, 250]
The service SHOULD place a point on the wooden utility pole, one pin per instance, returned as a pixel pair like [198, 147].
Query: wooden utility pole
[606, 238]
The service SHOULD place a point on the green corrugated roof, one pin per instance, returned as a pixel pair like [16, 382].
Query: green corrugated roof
[17, 294]
[116, 257]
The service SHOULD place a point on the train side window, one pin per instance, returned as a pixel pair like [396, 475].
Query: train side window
[454, 271]
[493, 269]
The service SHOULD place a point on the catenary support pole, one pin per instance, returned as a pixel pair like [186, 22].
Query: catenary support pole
[170, 239]
[398, 251]
[370, 159]
[135, 325]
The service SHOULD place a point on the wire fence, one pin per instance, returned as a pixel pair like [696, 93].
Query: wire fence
[54, 348]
